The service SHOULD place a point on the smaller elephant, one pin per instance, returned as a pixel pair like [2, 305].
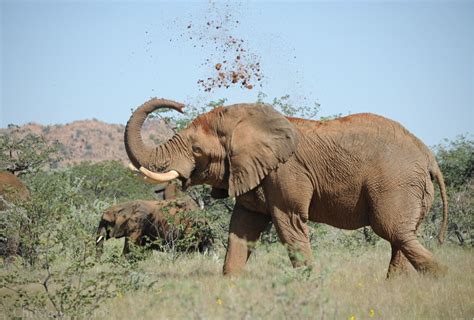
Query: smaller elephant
[158, 224]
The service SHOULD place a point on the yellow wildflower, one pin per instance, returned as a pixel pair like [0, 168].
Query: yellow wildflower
[371, 313]
[219, 301]
[352, 317]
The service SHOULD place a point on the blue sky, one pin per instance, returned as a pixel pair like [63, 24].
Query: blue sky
[409, 61]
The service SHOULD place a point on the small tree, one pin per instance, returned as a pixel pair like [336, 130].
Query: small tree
[456, 161]
[21, 154]
[284, 105]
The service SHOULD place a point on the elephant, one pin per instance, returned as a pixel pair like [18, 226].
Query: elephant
[12, 191]
[145, 221]
[349, 172]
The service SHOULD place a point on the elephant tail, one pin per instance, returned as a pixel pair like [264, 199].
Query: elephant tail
[435, 173]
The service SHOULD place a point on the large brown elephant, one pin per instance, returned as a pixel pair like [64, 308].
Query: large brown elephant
[144, 222]
[354, 171]
[12, 192]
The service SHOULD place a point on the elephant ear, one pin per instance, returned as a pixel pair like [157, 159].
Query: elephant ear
[261, 140]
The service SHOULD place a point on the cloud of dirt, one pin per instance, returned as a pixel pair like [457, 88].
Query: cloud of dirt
[231, 62]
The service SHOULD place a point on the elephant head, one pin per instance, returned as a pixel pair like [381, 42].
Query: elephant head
[230, 148]
[123, 220]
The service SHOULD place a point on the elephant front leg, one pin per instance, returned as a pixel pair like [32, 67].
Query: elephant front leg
[293, 232]
[245, 229]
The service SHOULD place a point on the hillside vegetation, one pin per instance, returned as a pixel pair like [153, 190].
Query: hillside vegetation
[89, 140]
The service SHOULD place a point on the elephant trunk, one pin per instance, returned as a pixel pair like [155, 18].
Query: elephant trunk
[141, 155]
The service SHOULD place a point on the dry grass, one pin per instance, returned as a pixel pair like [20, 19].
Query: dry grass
[345, 284]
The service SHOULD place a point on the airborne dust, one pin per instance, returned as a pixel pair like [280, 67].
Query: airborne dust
[232, 62]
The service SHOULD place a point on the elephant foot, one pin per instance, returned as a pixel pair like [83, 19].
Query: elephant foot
[433, 269]
[396, 273]
[300, 259]
[230, 271]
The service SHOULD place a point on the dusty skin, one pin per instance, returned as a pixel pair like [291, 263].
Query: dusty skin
[354, 171]
[141, 221]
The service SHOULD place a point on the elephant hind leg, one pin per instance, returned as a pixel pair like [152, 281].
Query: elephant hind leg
[399, 264]
[396, 219]
[420, 257]
[409, 248]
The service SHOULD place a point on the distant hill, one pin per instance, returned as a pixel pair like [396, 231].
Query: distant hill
[92, 140]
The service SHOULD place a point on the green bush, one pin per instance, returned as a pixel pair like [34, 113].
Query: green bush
[57, 241]
[109, 180]
[456, 161]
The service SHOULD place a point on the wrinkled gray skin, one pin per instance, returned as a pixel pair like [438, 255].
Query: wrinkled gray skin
[144, 221]
[354, 171]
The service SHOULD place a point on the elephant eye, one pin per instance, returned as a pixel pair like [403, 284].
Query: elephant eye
[197, 150]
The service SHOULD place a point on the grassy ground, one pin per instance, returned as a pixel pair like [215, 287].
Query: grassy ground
[344, 284]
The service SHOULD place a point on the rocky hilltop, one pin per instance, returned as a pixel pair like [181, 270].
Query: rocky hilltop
[91, 140]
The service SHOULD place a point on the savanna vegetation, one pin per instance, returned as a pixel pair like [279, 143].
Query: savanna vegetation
[57, 274]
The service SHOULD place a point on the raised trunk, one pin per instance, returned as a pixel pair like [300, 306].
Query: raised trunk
[141, 155]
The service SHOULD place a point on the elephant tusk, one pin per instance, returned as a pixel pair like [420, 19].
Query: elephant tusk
[159, 177]
[140, 175]
[131, 167]
[99, 239]
[153, 177]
